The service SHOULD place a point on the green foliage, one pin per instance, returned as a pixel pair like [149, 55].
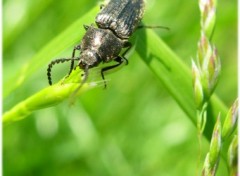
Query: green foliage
[135, 126]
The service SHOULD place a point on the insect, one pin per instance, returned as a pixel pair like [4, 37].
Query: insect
[115, 24]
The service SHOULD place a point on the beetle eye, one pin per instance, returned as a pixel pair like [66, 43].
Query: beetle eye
[81, 64]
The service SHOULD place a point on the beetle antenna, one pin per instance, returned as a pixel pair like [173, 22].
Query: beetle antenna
[57, 61]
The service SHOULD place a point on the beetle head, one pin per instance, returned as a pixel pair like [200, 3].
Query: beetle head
[88, 59]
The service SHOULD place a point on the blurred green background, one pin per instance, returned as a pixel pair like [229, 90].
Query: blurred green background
[134, 127]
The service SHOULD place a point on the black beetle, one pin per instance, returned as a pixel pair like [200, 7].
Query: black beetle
[115, 24]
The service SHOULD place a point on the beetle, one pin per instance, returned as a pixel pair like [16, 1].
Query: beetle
[115, 24]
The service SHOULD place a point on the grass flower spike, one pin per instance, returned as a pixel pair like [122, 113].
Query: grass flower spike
[212, 158]
[207, 68]
[197, 86]
[208, 16]
[233, 156]
[230, 121]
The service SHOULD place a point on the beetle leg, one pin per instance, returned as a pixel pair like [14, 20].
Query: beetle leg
[127, 45]
[117, 59]
[86, 27]
[152, 27]
[77, 47]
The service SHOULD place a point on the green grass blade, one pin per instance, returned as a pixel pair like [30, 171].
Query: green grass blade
[67, 38]
[50, 96]
[174, 75]
[32, 13]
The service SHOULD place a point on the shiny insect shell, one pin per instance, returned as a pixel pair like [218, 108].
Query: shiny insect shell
[115, 24]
